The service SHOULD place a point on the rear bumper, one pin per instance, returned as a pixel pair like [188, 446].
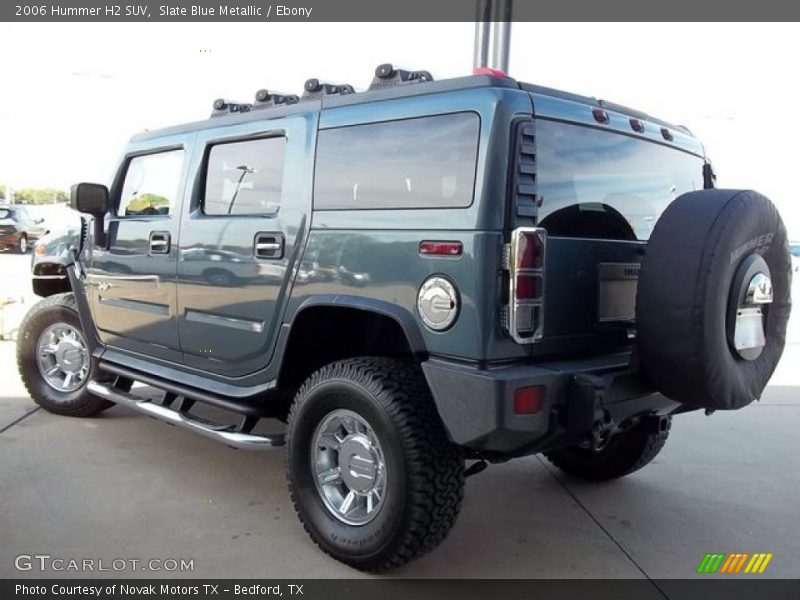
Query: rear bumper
[477, 405]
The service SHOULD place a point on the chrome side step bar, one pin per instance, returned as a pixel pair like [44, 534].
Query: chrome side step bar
[227, 434]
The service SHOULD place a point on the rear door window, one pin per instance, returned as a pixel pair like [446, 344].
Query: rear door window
[245, 178]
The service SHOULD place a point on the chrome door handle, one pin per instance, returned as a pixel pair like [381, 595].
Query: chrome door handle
[268, 245]
[159, 242]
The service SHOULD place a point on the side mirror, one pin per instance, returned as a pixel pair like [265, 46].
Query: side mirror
[89, 198]
[39, 221]
[92, 199]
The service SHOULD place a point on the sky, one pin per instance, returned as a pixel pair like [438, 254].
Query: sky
[72, 94]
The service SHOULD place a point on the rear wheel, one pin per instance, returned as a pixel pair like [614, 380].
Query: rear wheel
[372, 475]
[54, 359]
[22, 245]
[624, 453]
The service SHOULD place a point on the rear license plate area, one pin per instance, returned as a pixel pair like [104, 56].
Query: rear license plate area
[616, 294]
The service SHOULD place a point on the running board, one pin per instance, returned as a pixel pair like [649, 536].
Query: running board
[227, 434]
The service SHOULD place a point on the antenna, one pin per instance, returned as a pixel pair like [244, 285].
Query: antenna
[492, 37]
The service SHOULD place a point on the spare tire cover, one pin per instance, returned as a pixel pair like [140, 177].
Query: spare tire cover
[683, 292]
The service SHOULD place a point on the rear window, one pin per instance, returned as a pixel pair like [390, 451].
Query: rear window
[595, 183]
[426, 162]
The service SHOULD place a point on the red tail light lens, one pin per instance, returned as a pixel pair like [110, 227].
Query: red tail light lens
[529, 251]
[529, 400]
[526, 278]
[529, 287]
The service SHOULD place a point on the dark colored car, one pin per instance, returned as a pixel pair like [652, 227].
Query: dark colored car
[19, 229]
[410, 278]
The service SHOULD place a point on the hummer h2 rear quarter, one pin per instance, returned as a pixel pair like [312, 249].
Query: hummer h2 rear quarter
[414, 276]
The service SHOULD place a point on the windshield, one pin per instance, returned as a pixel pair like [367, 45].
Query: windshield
[596, 183]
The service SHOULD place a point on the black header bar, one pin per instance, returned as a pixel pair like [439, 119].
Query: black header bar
[398, 11]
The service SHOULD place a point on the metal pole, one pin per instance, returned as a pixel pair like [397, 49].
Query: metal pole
[501, 43]
[481, 57]
[492, 36]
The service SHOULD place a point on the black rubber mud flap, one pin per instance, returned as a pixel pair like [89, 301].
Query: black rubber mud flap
[683, 294]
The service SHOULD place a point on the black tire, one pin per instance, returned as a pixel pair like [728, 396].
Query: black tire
[425, 471]
[59, 308]
[692, 259]
[624, 453]
[22, 244]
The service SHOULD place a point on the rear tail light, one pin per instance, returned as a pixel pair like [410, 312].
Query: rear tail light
[526, 279]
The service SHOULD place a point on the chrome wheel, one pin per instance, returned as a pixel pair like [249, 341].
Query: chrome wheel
[750, 298]
[62, 357]
[349, 468]
[23, 245]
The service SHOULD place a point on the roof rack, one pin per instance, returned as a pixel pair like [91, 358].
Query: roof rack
[224, 107]
[386, 75]
[266, 99]
[314, 88]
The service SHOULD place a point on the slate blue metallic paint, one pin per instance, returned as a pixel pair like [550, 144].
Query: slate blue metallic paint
[370, 255]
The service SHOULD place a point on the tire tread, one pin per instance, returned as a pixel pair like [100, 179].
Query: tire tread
[435, 469]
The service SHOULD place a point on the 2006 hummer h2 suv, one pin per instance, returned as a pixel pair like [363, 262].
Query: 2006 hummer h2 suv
[419, 275]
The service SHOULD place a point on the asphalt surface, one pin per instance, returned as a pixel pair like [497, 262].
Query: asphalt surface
[124, 486]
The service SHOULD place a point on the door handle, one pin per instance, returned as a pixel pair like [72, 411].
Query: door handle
[159, 242]
[269, 245]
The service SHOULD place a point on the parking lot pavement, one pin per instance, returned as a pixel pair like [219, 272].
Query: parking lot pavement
[123, 486]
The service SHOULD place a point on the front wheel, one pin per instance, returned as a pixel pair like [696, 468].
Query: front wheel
[371, 472]
[624, 452]
[54, 359]
[22, 245]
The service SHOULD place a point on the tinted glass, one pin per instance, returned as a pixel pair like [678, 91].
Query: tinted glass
[587, 174]
[245, 178]
[415, 163]
[151, 184]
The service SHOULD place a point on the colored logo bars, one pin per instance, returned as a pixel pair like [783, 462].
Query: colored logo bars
[734, 563]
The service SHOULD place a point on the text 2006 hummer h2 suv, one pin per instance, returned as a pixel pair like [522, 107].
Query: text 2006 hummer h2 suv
[423, 274]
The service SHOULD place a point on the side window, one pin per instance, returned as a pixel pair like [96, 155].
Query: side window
[151, 184]
[245, 178]
[425, 162]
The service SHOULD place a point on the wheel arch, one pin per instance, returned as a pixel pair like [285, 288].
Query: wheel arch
[373, 328]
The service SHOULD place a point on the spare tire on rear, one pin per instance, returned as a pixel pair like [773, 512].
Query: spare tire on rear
[704, 251]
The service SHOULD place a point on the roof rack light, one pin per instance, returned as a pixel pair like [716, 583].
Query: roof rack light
[224, 107]
[386, 75]
[314, 88]
[266, 99]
